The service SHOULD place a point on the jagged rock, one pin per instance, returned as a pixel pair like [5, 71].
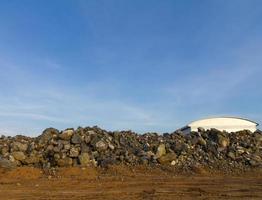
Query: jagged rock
[201, 141]
[66, 134]
[76, 139]
[93, 145]
[18, 146]
[4, 150]
[87, 139]
[32, 160]
[200, 129]
[48, 134]
[74, 152]
[161, 150]
[18, 155]
[167, 159]
[101, 145]
[84, 148]
[84, 159]
[67, 146]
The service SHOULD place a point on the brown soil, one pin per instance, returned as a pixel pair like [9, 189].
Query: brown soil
[120, 182]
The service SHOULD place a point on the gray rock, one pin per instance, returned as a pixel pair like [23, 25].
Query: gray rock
[76, 139]
[48, 134]
[84, 148]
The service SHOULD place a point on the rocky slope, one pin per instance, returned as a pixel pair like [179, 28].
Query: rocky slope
[97, 147]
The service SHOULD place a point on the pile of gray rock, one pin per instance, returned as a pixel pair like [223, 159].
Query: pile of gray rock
[97, 147]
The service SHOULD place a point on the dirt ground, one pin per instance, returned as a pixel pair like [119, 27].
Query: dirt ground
[126, 183]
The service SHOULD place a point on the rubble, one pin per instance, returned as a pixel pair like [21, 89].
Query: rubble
[98, 147]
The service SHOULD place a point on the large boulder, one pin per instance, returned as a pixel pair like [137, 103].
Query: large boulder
[161, 150]
[219, 137]
[76, 139]
[167, 158]
[66, 134]
[101, 145]
[74, 152]
[33, 159]
[19, 155]
[47, 135]
[18, 146]
[84, 159]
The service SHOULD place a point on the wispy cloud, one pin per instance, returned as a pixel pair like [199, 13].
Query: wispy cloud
[212, 85]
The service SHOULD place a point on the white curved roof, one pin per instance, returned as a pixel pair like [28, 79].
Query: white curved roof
[223, 121]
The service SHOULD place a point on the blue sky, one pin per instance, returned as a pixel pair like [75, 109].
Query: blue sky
[145, 65]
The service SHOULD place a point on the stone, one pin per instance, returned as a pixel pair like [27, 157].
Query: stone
[201, 141]
[161, 150]
[200, 129]
[253, 163]
[231, 155]
[111, 146]
[57, 156]
[84, 159]
[65, 162]
[18, 146]
[76, 139]
[67, 146]
[48, 134]
[32, 160]
[174, 162]
[208, 148]
[66, 134]
[167, 158]
[101, 146]
[18, 155]
[57, 149]
[4, 150]
[74, 152]
[223, 142]
[84, 148]
[87, 139]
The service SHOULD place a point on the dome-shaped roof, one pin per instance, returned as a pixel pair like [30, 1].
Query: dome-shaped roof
[223, 121]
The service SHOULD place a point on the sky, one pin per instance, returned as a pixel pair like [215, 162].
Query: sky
[144, 65]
